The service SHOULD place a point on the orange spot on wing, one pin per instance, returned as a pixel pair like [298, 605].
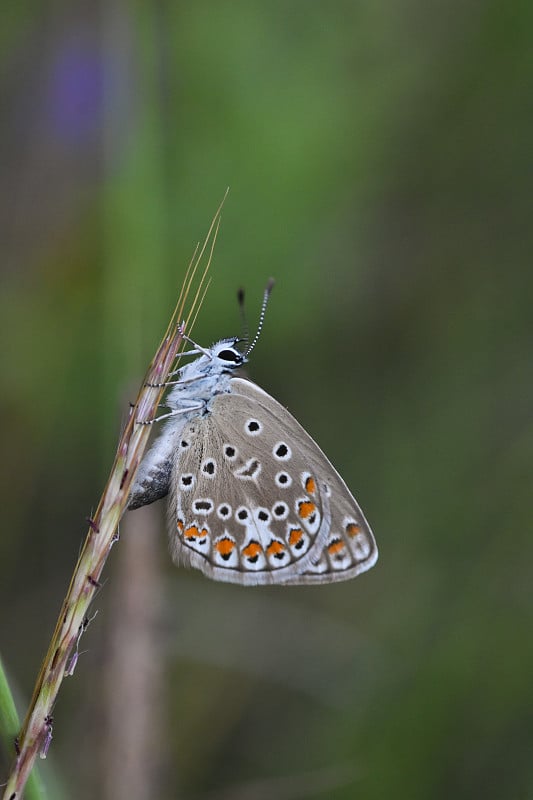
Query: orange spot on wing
[192, 532]
[336, 547]
[180, 525]
[251, 550]
[225, 546]
[310, 485]
[353, 529]
[306, 508]
[275, 547]
[295, 536]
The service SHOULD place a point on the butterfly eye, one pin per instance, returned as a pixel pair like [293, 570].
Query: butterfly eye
[230, 355]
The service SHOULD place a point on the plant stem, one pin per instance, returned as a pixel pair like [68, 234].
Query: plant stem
[9, 728]
[73, 619]
[37, 729]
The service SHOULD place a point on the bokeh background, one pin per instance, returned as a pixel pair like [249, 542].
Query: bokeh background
[379, 163]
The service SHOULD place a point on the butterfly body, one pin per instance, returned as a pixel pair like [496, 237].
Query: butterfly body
[253, 499]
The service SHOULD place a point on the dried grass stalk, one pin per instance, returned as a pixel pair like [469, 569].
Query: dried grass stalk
[36, 733]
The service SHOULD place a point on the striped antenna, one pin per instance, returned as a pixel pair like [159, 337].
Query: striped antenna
[266, 297]
[244, 321]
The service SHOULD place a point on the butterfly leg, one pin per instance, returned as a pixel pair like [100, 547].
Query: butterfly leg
[177, 371]
[173, 413]
[197, 348]
[174, 383]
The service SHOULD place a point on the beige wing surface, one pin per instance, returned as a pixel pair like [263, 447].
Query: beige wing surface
[255, 501]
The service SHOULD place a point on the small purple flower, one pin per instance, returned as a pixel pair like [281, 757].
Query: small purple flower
[75, 94]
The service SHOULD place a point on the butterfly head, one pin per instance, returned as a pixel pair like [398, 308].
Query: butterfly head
[215, 363]
[226, 356]
[222, 358]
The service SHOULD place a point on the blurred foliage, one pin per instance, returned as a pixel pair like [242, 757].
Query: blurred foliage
[379, 163]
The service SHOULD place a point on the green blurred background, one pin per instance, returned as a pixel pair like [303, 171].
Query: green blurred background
[379, 163]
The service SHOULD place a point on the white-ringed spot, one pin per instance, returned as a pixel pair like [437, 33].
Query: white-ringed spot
[253, 427]
[242, 515]
[187, 481]
[224, 511]
[209, 467]
[282, 451]
[230, 452]
[280, 510]
[203, 506]
[283, 480]
[262, 515]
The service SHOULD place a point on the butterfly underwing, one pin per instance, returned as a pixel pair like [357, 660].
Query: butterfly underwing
[252, 498]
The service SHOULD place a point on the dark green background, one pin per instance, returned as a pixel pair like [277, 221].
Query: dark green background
[379, 161]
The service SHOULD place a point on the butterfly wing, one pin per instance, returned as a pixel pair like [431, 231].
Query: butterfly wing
[255, 501]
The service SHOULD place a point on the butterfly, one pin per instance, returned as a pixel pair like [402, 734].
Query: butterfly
[253, 500]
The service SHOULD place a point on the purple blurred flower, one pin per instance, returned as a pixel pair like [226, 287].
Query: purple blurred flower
[75, 94]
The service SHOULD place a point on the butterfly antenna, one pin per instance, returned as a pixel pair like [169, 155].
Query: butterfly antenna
[266, 297]
[244, 321]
